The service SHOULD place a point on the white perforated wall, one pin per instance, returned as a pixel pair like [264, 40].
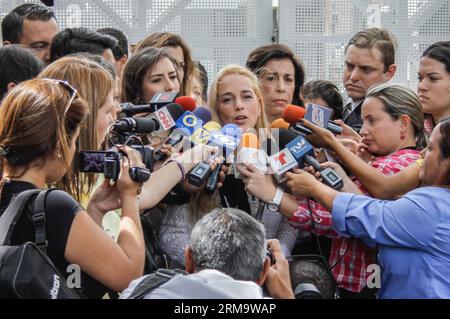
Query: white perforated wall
[318, 31]
[219, 32]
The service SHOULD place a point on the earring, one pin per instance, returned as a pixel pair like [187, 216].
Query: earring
[59, 155]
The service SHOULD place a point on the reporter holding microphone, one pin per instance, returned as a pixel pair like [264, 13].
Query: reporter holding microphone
[411, 232]
[392, 128]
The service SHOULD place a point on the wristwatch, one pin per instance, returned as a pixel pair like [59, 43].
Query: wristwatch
[274, 204]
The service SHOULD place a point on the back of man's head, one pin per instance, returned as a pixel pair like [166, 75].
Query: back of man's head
[73, 40]
[231, 241]
[12, 24]
[16, 65]
[121, 49]
[377, 38]
[304, 271]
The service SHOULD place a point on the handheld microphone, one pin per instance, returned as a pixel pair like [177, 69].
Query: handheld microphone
[280, 123]
[232, 131]
[296, 153]
[166, 116]
[250, 153]
[321, 115]
[158, 101]
[203, 113]
[293, 113]
[173, 140]
[316, 114]
[201, 172]
[187, 102]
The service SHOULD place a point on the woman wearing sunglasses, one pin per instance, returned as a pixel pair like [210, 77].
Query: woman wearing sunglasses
[49, 114]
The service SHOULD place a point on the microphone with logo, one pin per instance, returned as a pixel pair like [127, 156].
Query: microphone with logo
[229, 130]
[226, 143]
[162, 120]
[250, 153]
[319, 115]
[177, 136]
[295, 152]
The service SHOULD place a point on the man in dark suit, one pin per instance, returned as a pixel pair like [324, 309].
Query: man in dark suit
[369, 60]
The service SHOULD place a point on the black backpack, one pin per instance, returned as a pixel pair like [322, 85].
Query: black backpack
[26, 271]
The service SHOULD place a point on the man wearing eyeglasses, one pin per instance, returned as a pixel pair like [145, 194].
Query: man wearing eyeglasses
[32, 26]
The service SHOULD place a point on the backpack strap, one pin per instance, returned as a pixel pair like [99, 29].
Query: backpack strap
[153, 281]
[38, 218]
[12, 214]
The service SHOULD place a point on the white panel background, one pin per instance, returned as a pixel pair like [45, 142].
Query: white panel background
[219, 32]
[318, 31]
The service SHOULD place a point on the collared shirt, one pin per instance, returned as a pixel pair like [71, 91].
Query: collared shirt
[413, 236]
[350, 256]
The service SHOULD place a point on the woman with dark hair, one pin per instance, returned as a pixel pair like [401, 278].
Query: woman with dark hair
[434, 82]
[280, 75]
[411, 232]
[149, 71]
[178, 50]
[324, 93]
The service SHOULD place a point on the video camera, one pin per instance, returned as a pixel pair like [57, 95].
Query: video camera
[108, 163]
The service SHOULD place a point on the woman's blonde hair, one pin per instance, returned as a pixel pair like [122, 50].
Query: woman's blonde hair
[213, 97]
[94, 83]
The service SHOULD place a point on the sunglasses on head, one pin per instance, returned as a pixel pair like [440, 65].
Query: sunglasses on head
[69, 88]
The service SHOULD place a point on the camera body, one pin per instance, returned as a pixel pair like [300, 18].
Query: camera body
[108, 163]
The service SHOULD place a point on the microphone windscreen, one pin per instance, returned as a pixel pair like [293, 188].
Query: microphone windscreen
[203, 113]
[212, 126]
[187, 102]
[279, 123]
[293, 113]
[249, 140]
[285, 136]
[175, 110]
[232, 130]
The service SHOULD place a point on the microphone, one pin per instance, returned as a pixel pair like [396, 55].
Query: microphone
[232, 131]
[187, 102]
[173, 140]
[227, 143]
[321, 115]
[250, 153]
[203, 113]
[158, 101]
[204, 134]
[316, 114]
[166, 116]
[280, 123]
[293, 113]
[284, 160]
[295, 153]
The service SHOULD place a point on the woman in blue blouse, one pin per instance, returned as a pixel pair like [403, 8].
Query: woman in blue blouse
[413, 232]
